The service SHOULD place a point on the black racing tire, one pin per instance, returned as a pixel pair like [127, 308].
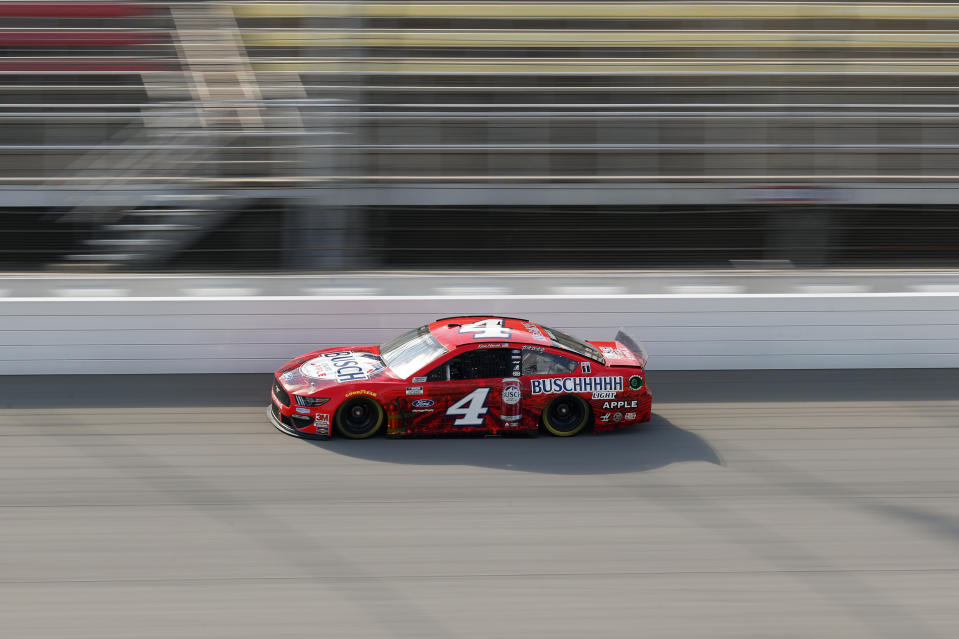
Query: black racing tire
[359, 418]
[566, 416]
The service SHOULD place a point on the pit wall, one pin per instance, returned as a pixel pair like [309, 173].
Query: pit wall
[680, 332]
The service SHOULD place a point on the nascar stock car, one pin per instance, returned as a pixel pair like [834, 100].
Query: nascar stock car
[475, 374]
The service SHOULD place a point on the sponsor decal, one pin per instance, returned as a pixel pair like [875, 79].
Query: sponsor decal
[604, 417]
[585, 368]
[620, 404]
[422, 403]
[419, 380]
[534, 331]
[422, 410]
[618, 417]
[630, 417]
[414, 390]
[604, 395]
[322, 423]
[343, 366]
[303, 411]
[512, 395]
[636, 382]
[487, 345]
[361, 392]
[535, 349]
[553, 385]
[616, 353]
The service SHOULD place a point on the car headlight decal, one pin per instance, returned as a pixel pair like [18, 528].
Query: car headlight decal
[310, 401]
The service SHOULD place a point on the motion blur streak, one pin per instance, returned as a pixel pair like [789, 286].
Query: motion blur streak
[214, 187]
[160, 505]
[343, 135]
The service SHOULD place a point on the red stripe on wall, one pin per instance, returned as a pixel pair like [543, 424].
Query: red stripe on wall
[105, 65]
[81, 39]
[75, 9]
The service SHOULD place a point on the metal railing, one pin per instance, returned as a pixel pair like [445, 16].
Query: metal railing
[282, 106]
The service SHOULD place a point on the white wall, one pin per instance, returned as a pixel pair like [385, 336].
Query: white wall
[256, 334]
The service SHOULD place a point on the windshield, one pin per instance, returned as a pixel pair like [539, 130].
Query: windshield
[570, 343]
[411, 351]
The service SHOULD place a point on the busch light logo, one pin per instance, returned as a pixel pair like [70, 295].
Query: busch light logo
[512, 395]
[345, 366]
[423, 403]
[575, 385]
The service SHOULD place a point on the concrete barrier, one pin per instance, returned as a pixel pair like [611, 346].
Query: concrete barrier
[681, 332]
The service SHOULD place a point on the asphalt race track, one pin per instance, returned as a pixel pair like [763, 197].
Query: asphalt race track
[756, 504]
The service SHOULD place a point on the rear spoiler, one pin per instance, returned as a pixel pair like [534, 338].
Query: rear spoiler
[633, 345]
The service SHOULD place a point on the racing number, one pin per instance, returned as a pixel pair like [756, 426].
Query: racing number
[487, 329]
[471, 410]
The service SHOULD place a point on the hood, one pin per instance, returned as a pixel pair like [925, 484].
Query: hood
[313, 372]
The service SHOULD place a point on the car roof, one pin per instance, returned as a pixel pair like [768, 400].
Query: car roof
[447, 331]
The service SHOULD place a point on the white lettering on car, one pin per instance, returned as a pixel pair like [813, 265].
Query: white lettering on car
[487, 329]
[554, 385]
[620, 404]
[470, 410]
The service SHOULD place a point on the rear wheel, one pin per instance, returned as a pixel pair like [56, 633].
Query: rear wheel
[566, 416]
[359, 418]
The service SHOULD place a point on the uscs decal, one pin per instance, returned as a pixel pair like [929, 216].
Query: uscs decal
[322, 423]
[343, 366]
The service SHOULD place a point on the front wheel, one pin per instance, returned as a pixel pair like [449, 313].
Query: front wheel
[359, 418]
[566, 416]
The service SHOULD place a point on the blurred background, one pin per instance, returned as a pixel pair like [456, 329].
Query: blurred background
[516, 135]
[765, 193]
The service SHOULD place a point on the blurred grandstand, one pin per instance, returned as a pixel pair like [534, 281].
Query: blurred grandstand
[322, 135]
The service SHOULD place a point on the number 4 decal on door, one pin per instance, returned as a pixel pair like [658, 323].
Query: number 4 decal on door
[471, 410]
[487, 329]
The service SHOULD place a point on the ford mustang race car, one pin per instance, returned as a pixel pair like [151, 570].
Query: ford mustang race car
[475, 374]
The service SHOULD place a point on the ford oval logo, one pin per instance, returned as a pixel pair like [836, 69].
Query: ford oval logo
[423, 403]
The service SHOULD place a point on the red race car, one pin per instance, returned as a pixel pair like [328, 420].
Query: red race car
[476, 374]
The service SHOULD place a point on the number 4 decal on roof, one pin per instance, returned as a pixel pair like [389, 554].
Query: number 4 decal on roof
[471, 410]
[487, 329]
